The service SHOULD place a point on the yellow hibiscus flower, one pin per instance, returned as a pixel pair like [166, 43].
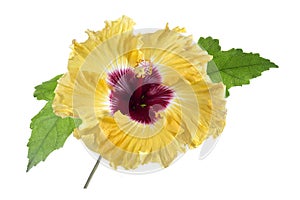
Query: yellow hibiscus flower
[143, 98]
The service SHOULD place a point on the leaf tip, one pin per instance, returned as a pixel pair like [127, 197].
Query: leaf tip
[29, 166]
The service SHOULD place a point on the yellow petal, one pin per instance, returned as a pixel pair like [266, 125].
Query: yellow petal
[115, 139]
[182, 65]
[211, 102]
[63, 101]
[104, 40]
[169, 48]
[81, 50]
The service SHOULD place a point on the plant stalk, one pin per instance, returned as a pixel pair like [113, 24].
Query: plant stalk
[92, 172]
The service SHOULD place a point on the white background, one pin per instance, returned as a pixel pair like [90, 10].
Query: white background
[257, 156]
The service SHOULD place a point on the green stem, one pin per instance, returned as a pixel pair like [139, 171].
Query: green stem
[92, 173]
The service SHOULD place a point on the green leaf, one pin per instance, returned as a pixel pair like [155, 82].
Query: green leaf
[49, 132]
[233, 67]
[210, 45]
[45, 91]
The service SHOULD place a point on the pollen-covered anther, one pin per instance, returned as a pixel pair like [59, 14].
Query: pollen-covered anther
[140, 72]
[143, 69]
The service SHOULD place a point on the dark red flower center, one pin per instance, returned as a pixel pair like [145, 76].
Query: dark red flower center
[139, 93]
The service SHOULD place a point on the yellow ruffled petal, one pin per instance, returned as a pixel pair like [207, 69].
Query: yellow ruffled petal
[183, 61]
[203, 105]
[115, 139]
[184, 55]
[211, 103]
[81, 50]
[63, 101]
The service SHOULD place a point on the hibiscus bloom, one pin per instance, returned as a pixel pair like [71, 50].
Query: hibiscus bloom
[142, 98]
